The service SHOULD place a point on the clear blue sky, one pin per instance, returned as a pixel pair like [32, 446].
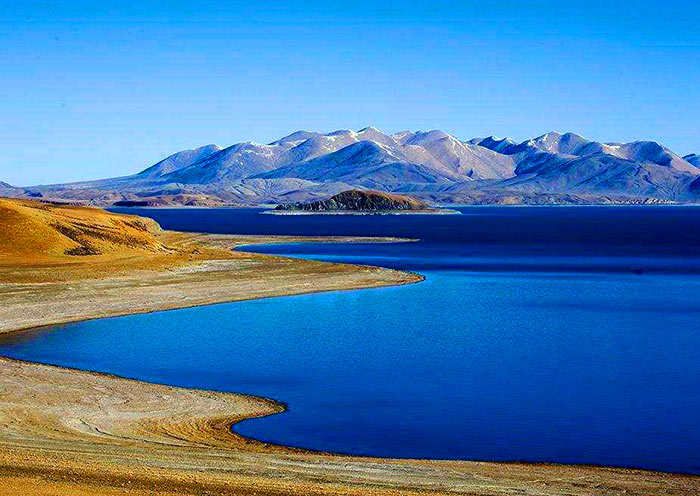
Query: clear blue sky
[92, 89]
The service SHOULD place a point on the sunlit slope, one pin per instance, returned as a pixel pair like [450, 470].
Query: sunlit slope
[33, 230]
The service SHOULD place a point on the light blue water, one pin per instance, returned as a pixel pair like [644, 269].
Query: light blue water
[569, 355]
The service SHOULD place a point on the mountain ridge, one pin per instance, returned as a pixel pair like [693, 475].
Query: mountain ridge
[308, 165]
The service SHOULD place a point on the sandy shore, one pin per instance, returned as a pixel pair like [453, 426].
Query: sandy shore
[69, 432]
[204, 270]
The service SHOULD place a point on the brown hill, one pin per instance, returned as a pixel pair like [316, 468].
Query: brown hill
[360, 201]
[32, 230]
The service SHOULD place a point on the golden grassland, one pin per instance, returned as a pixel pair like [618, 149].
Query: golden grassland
[75, 433]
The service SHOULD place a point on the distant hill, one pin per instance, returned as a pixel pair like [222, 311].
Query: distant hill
[432, 165]
[34, 230]
[359, 201]
[9, 190]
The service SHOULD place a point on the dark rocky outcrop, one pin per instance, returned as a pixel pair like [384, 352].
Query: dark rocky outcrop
[360, 201]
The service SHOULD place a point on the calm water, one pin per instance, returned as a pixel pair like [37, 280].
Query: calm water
[540, 334]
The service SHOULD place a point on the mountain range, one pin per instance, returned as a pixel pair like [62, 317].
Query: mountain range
[432, 165]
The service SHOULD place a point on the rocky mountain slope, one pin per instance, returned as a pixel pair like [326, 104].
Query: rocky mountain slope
[8, 190]
[552, 168]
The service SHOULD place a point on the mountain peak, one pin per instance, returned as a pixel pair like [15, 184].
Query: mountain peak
[496, 139]
[555, 142]
[496, 144]
[549, 136]
[369, 129]
[402, 136]
[422, 137]
[179, 160]
[557, 137]
[300, 135]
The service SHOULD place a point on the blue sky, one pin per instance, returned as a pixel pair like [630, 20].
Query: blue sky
[98, 89]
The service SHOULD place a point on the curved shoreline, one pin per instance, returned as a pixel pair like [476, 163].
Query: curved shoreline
[224, 276]
[92, 429]
[185, 436]
[238, 243]
[165, 308]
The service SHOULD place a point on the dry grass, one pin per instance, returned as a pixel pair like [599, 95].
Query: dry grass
[34, 231]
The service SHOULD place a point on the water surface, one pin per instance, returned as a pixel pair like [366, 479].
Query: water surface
[540, 334]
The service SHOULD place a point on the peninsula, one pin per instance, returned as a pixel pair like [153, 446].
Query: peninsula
[61, 263]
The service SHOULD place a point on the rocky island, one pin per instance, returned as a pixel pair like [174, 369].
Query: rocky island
[361, 202]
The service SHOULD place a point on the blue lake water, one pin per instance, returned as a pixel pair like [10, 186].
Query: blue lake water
[564, 334]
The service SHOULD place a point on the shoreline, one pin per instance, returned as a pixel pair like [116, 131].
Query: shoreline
[158, 439]
[223, 274]
[184, 436]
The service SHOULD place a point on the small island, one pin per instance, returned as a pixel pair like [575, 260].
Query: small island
[359, 202]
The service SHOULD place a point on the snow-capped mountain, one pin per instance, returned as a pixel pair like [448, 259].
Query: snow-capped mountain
[179, 160]
[574, 145]
[366, 163]
[430, 164]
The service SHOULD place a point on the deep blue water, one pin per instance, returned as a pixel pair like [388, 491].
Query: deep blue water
[542, 334]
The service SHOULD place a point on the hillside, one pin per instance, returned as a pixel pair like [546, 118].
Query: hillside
[9, 190]
[432, 165]
[359, 201]
[32, 230]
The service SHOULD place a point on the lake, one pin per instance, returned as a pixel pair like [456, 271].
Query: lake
[562, 334]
